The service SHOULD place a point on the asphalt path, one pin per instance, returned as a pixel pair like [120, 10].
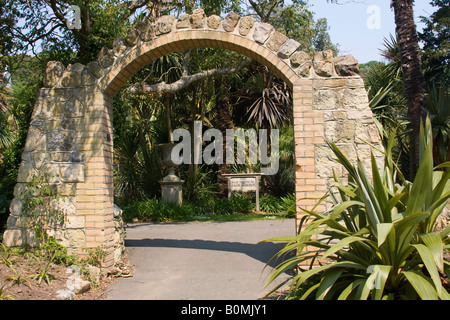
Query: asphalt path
[201, 260]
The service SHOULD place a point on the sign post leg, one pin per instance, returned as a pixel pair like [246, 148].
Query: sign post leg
[257, 193]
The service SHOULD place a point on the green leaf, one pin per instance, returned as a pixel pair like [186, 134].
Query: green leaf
[376, 281]
[423, 285]
[309, 291]
[342, 159]
[341, 244]
[303, 276]
[372, 206]
[329, 278]
[351, 287]
[406, 227]
[383, 230]
[343, 206]
[428, 260]
[434, 243]
[421, 187]
[380, 192]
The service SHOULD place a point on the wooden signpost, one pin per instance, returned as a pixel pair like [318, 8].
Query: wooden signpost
[244, 182]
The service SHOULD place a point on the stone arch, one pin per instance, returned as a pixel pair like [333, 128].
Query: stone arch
[70, 134]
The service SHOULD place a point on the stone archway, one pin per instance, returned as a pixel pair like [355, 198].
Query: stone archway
[70, 134]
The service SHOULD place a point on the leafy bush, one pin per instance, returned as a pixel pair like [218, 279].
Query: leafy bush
[378, 241]
[281, 205]
[271, 204]
[235, 204]
[156, 210]
[288, 204]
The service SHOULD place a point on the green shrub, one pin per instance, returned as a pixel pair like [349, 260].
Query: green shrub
[378, 241]
[156, 210]
[288, 205]
[270, 204]
[52, 248]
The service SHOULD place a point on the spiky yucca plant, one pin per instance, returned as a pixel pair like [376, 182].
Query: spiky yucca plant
[379, 240]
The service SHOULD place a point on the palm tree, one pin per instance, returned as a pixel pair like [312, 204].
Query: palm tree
[264, 98]
[413, 79]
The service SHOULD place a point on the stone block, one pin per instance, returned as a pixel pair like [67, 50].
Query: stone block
[262, 32]
[340, 131]
[213, 21]
[327, 99]
[198, 19]
[245, 25]
[64, 205]
[94, 69]
[105, 57]
[146, 30]
[367, 133]
[119, 46]
[72, 76]
[66, 189]
[323, 63]
[183, 22]
[132, 37]
[325, 165]
[53, 73]
[73, 172]
[164, 24]
[13, 238]
[61, 140]
[75, 222]
[13, 222]
[355, 99]
[288, 48]
[276, 40]
[39, 158]
[346, 66]
[63, 156]
[298, 58]
[36, 140]
[26, 171]
[16, 207]
[230, 21]
[72, 238]
[87, 79]
[73, 108]
[305, 69]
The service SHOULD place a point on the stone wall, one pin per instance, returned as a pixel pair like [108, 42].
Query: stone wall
[348, 122]
[70, 136]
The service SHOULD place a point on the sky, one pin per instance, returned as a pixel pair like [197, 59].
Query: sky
[360, 26]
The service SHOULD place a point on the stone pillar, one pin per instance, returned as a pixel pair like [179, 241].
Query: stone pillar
[95, 199]
[70, 139]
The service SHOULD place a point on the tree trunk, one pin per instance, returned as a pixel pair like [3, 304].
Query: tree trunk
[223, 123]
[413, 79]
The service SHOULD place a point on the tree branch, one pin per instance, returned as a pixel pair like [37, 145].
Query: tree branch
[184, 81]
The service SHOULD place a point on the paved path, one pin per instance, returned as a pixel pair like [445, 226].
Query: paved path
[200, 260]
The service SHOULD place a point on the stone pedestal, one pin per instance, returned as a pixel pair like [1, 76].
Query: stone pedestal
[171, 185]
[171, 188]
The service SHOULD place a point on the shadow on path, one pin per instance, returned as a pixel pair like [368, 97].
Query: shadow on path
[263, 252]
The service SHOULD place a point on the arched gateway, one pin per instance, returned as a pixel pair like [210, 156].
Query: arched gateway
[70, 135]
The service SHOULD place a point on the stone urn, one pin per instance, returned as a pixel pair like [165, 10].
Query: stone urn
[171, 184]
